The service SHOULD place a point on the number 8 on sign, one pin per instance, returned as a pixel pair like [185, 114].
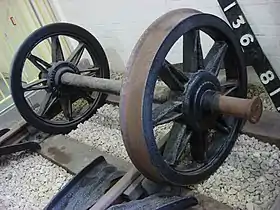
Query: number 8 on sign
[267, 77]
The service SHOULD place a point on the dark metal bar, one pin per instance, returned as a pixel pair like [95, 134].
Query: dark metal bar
[188, 52]
[15, 135]
[33, 146]
[106, 85]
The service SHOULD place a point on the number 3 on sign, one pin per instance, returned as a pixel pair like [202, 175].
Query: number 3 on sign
[240, 21]
[247, 38]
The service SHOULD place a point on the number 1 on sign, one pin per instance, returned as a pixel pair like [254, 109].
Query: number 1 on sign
[229, 6]
[273, 93]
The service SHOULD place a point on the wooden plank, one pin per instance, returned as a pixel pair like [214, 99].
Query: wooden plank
[266, 130]
[73, 156]
[16, 133]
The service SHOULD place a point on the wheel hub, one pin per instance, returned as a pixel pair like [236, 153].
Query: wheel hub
[56, 71]
[197, 114]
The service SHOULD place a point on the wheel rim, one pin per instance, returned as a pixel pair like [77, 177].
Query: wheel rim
[137, 120]
[65, 97]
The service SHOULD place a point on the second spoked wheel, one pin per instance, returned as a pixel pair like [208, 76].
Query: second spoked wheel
[35, 77]
[203, 131]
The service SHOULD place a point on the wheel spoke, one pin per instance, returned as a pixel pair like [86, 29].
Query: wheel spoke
[172, 77]
[37, 85]
[215, 57]
[176, 144]
[192, 52]
[87, 96]
[166, 112]
[199, 146]
[90, 70]
[42, 65]
[222, 126]
[66, 106]
[57, 53]
[229, 86]
[49, 100]
[77, 54]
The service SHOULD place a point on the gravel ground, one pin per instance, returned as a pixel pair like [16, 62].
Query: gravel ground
[249, 178]
[256, 90]
[28, 181]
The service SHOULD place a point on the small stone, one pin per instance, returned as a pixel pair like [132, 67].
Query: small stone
[257, 147]
[251, 180]
[269, 177]
[277, 173]
[264, 166]
[250, 189]
[268, 148]
[257, 192]
[232, 192]
[237, 187]
[275, 156]
[246, 175]
[252, 206]
[262, 179]
[271, 187]
[257, 154]
[8, 177]
[256, 173]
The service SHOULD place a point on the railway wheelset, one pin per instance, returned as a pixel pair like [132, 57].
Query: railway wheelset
[206, 113]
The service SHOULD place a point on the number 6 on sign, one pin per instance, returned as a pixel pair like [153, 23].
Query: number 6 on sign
[246, 39]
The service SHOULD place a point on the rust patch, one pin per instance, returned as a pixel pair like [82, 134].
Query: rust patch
[59, 155]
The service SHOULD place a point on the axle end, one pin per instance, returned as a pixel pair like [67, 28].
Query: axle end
[248, 109]
[255, 110]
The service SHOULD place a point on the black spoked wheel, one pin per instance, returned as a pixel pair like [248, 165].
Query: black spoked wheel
[40, 60]
[200, 139]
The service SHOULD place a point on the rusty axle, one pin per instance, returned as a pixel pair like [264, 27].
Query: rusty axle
[105, 85]
[94, 83]
[249, 109]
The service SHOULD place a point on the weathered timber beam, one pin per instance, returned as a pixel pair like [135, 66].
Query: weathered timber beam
[266, 130]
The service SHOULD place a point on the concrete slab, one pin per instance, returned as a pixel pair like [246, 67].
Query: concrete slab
[207, 203]
[73, 156]
[266, 130]
[276, 205]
